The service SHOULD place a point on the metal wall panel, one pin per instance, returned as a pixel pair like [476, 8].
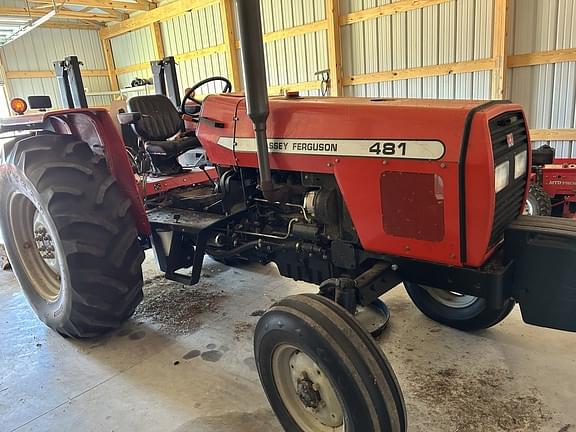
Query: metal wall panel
[133, 48]
[459, 30]
[37, 50]
[24, 87]
[295, 59]
[548, 92]
[197, 29]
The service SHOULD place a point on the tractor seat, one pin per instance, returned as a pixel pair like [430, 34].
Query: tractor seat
[160, 122]
[174, 147]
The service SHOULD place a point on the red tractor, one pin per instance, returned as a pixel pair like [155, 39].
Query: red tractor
[553, 189]
[355, 195]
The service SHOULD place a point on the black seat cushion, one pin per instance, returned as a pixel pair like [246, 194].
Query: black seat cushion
[160, 119]
[173, 148]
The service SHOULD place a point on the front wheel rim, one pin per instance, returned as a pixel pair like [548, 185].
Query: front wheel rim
[451, 299]
[529, 208]
[306, 391]
[33, 239]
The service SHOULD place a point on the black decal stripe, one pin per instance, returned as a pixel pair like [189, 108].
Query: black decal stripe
[462, 171]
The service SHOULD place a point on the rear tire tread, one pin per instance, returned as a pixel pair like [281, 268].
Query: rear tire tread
[100, 207]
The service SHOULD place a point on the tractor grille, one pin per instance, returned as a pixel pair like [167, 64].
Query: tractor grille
[509, 200]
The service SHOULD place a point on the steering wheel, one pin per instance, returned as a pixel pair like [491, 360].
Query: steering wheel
[192, 90]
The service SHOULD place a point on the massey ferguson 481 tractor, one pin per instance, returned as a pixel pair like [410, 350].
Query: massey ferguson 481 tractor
[355, 195]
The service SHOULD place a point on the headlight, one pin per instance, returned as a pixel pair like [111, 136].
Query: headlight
[502, 176]
[520, 162]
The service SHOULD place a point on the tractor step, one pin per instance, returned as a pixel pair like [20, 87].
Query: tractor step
[183, 220]
[179, 238]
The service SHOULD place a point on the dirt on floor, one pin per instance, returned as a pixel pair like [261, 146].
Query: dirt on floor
[4, 263]
[483, 402]
[176, 308]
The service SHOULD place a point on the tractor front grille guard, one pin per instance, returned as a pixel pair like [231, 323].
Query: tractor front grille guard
[509, 138]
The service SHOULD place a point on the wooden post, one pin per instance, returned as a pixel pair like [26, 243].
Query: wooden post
[334, 47]
[227, 13]
[109, 57]
[5, 80]
[499, 48]
[157, 40]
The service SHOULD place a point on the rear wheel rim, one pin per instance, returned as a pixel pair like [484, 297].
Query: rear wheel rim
[451, 299]
[33, 239]
[306, 391]
[529, 208]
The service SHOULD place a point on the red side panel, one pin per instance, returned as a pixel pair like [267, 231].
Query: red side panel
[424, 209]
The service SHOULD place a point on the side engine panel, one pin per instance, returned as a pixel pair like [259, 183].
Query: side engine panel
[396, 165]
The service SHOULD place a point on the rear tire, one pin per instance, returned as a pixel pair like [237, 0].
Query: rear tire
[538, 202]
[462, 312]
[70, 235]
[322, 372]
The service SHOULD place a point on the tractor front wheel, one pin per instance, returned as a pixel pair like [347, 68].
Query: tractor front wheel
[322, 372]
[538, 202]
[69, 234]
[462, 312]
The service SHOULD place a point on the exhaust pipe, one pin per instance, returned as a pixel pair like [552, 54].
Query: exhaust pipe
[255, 85]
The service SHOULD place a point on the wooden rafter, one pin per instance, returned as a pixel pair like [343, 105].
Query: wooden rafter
[102, 4]
[161, 13]
[75, 25]
[62, 13]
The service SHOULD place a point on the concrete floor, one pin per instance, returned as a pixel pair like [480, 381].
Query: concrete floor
[169, 371]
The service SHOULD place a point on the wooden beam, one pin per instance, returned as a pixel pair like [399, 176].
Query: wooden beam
[422, 72]
[499, 46]
[100, 4]
[227, 14]
[109, 58]
[386, 10]
[157, 41]
[63, 13]
[200, 53]
[292, 32]
[178, 57]
[334, 47]
[132, 68]
[4, 79]
[542, 57]
[50, 74]
[283, 88]
[553, 134]
[161, 13]
[71, 25]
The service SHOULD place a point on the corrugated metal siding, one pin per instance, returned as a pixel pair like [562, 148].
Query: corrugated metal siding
[547, 92]
[48, 86]
[446, 33]
[295, 59]
[197, 29]
[37, 50]
[133, 48]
